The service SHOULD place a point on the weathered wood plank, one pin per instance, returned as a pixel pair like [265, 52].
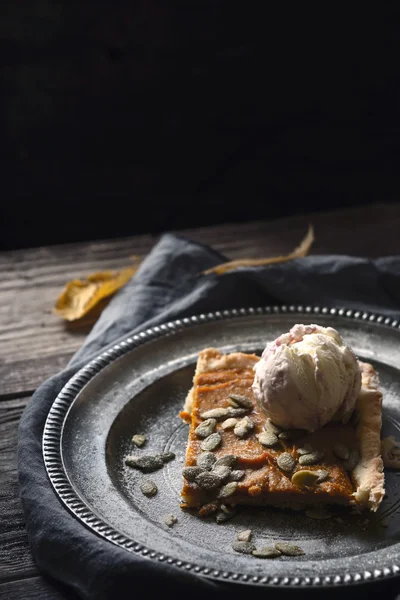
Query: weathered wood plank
[15, 557]
[35, 588]
[368, 231]
[24, 376]
[35, 344]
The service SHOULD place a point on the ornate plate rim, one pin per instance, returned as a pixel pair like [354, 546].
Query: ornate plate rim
[52, 434]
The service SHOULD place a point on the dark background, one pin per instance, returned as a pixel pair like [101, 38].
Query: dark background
[121, 118]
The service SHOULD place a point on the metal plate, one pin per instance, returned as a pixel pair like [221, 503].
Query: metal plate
[140, 385]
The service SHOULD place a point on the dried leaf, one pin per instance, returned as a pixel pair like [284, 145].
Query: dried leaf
[301, 250]
[81, 295]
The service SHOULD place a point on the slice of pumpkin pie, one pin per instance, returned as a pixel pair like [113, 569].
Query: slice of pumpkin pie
[237, 454]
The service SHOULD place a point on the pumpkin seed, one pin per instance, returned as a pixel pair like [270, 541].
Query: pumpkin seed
[322, 475]
[243, 427]
[243, 547]
[229, 460]
[318, 513]
[221, 517]
[211, 442]
[206, 460]
[206, 428]
[270, 426]
[341, 451]
[229, 423]
[236, 475]
[244, 536]
[286, 462]
[289, 549]
[232, 402]
[208, 480]
[305, 477]
[268, 439]
[352, 460]
[224, 514]
[306, 449]
[215, 413]
[222, 471]
[148, 488]
[190, 473]
[291, 434]
[167, 457]
[236, 412]
[170, 520]
[311, 459]
[238, 400]
[146, 463]
[139, 440]
[228, 490]
[266, 552]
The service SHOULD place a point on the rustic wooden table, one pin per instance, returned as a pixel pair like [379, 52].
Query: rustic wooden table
[35, 344]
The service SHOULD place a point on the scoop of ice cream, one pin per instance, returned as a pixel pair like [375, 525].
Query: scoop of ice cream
[306, 378]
